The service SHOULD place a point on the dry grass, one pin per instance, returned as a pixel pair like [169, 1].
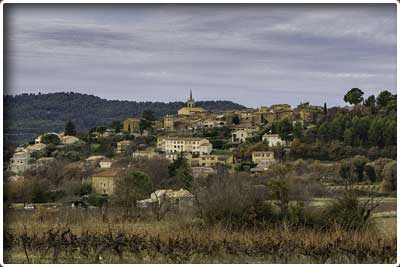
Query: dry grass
[192, 242]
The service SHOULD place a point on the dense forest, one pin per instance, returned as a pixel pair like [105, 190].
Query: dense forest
[28, 115]
[369, 128]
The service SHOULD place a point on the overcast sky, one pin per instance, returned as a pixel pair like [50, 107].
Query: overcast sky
[250, 54]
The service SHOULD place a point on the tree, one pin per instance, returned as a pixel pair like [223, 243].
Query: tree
[375, 132]
[323, 131]
[383, 98]
[279, 152]
[298, 129]
[235, 119]
[117, 126]
[130, 188]
[389, 182]
[370, 102]
[180, 169]
[156, 169]
[325, 109]
[284, 128]
[70, 129]
[101, 129]
[354, 96]
[297, 149]
[50, 139]
[280, 193]
[370, 172]
[148, 115]
[390, 133]
[359, 163]
[346, 172]
[348, 137]
[222, 197]
[146, 123]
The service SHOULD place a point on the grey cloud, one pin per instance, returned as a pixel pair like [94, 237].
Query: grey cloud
[253, 54]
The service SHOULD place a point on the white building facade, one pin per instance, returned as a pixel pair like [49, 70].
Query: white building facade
[195, 146]
[272, 139]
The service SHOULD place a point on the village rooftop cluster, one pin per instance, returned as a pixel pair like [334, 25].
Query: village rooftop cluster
[178, 136]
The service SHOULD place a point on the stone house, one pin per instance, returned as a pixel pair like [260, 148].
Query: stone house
[213, 160]
[168, 122]
[272, 139]
[104, 181]
[19, 162]
[178, 200]
[123, 146]
[131, 125]
[263, 158]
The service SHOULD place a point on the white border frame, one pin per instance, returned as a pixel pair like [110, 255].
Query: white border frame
[181, 2]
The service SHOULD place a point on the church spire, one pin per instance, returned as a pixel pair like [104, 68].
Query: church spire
[190, 102]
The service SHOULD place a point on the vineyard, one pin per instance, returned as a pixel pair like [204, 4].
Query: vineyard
[192, 244]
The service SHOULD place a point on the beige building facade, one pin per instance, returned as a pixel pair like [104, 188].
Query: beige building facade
[104, 182]
[264, 157]
[131, 125]
[195, 146]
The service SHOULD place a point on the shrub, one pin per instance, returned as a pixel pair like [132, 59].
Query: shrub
[348, 213]
[96, 200]
[370, 172]
[389, 182]
[223, 198]
[50, 139]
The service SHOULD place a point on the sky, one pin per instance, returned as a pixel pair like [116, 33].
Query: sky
[251, 54]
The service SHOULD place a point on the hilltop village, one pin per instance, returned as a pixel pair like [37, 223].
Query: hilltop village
[177, 149]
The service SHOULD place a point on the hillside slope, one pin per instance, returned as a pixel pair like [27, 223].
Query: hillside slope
[27, 115]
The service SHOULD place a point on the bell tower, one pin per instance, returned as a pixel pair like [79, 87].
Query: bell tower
[190, 103]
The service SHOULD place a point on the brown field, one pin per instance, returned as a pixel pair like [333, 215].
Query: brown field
[31, 238]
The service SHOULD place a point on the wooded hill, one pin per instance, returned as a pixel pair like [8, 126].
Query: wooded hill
[28, 115]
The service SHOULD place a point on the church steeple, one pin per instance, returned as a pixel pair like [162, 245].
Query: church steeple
[190, 102]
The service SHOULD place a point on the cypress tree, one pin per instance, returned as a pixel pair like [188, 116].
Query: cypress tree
[70, 129]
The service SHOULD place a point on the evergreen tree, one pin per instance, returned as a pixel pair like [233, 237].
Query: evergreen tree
[375, 132]
[117, 126]
[70, 129]
[180, 170]
[370, 172]
[133, 186]
[298, 129]
[359, 163]
[370, 102]
[354, 96]
[284, 128]
[148, 115]
[383, 98]
[348, 137]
